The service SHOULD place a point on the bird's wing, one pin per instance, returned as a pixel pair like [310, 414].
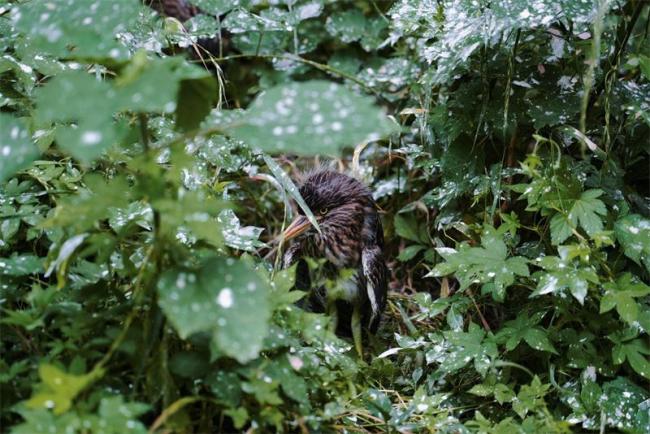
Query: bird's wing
[376, 278]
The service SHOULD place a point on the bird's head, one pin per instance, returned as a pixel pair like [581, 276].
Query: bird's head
[339, 203]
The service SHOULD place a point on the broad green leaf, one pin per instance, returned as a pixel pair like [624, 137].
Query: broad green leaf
[161, 86]
[315, 117]
[408, 228]
[17, 150]
[20, 265]
[80, 29]
[621, 294]
[462, 349]
[624, 406]
[488, 264]
[58, 388]
[538, 339]
[88, 125]
[409, 252]
[552, 108]
[225, 297]
[561, 274]
[121, 417]
[525, 327]
[587, 211]
[633, 232]
[348, 25]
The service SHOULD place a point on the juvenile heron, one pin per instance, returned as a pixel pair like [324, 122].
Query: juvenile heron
[351, 237]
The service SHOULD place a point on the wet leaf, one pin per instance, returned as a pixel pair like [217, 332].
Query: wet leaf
[633, 232]
[315, 117]
[17, 150]
[80, 29]
[224, 297]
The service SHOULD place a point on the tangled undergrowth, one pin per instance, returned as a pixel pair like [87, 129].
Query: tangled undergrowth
[145, 177]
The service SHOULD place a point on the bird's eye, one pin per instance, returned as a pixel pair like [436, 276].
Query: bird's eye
[323, 211]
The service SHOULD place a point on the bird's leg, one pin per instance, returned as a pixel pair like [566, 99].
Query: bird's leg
[356, 329]
[332, 311]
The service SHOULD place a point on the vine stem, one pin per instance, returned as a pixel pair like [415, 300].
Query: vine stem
[321, 66]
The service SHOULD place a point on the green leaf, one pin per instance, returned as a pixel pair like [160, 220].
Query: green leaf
[17, 150]
[621, 294]
[80, 29]
[562, 274]
[561, 228]
[486, 264]
[537, 338]
[58, 388]
[409, 252]
[638, 361]
[20, 265]
[120, 416]
[93, 129]
[633, 232]
[243, 238]
[145, 86]
[407, 227]
[463, 348]
[624, 406]
[348, 26]
[524, 327]
[315, 117]
[587, 211]
[225, 297]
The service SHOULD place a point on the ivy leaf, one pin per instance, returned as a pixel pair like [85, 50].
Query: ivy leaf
[488, 264]
[633, 232]
[17, 150]
[462, 348]
[524, 327]
[621, 294]
[59, 388]
[585, 211]
[562, 274]
[225, 297]
[315, 117]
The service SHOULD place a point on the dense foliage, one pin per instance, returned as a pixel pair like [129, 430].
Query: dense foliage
[145, 178]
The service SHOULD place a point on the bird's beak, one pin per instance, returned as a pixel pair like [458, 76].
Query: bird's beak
[299, 225]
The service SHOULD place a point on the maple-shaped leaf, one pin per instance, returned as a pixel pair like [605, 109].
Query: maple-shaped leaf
[460, 348]
[585, 212]
[488, 264]
[621, 294]
[563, 274]
[525, 327]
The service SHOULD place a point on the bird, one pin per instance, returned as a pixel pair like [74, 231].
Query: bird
[350, 244]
